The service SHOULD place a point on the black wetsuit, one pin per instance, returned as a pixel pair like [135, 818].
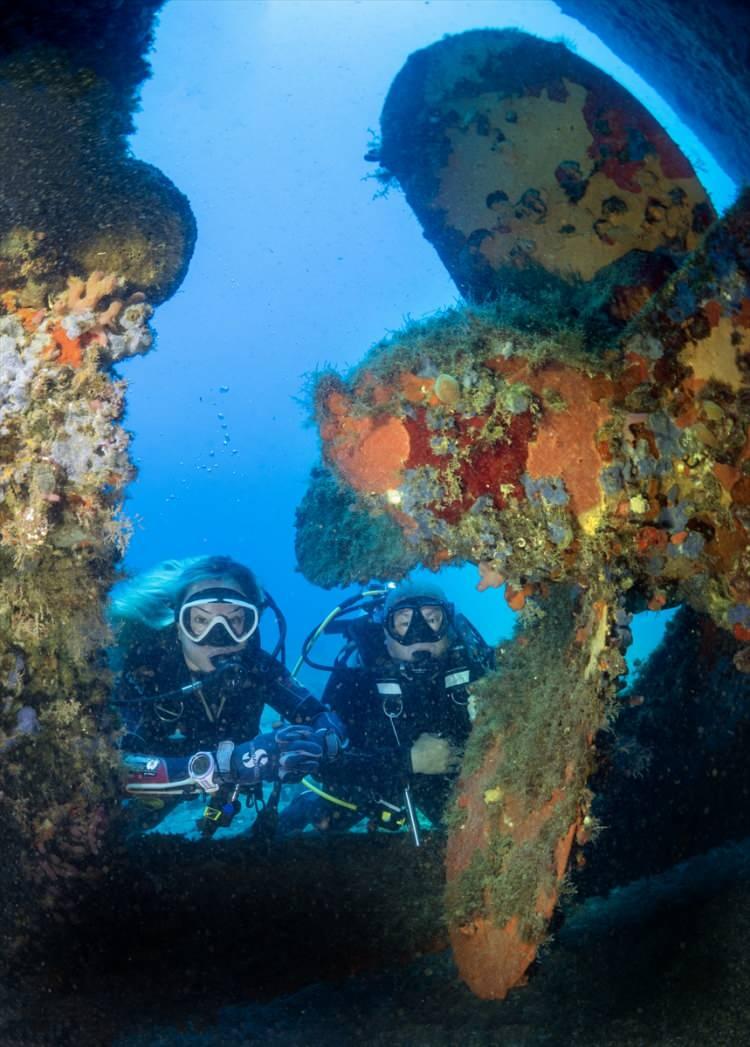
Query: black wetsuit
[229, 704]
[385, 709]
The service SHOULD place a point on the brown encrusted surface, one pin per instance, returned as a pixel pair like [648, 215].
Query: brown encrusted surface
[522, 803]
[525, 436]
[73, 199]
[519, 157]
[552, 458]
[64, 465]
[85, 231]
[695, 55]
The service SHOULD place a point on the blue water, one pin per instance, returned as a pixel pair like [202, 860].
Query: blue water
[259, 111]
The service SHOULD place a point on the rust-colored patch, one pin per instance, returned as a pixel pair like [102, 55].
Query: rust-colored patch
[70, 351]
[565, 444]
[491, 467]
[512, 368]
[741, 491]
[516, 598]
[627, 301]
[373, 463]
[742, 318]
[712, 309]
[688, 415]
[615, 122]
[637, 370]
[651, 538]
[417, 389]
[726, 545]
[337, 404]
[30, 318]
[727, 475]
[370, 454]
[494, 959]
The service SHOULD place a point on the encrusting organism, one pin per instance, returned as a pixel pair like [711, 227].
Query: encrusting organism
[578, 428]
[91, 238]
[63, 472]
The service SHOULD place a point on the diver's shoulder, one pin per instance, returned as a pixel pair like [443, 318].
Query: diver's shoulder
[261, 659]
[140, 643]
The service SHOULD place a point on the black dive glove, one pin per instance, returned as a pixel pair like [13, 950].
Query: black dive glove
[287, 754]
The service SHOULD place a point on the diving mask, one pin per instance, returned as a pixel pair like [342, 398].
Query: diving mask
[417, 620]
[217, 617]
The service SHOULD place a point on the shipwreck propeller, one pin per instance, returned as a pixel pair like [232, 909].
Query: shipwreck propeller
[578, 429]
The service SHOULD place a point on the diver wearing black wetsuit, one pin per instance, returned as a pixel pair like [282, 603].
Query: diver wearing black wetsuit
[228, 704]
[197, 687]
[404, 703]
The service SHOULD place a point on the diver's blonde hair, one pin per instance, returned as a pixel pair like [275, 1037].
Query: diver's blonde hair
[154, 596]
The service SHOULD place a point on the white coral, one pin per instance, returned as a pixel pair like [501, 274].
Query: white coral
[89, 448]
[134, 335]
[76, 324]
[19, 358]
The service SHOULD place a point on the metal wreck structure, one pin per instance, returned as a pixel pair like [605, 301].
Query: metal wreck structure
[578, 429]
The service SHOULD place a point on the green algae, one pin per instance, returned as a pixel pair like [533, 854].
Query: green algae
[543, 705]
[73, 199]
[337, 537]
[86, 231]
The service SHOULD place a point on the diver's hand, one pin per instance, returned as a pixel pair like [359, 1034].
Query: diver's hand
[432, 754]
[287, 755]
[300, 750]
[330, 733]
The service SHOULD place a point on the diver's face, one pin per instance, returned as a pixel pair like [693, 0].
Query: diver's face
[433, 615]
[198, 657]
[200, 617]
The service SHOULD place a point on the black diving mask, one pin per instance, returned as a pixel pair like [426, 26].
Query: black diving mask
[418, 620]
[217, 618]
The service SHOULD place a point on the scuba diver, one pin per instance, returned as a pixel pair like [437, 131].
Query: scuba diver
[191, 686]
[400, 686]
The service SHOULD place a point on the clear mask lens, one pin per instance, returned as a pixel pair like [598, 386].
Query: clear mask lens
[417, 623]
[219, 622]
